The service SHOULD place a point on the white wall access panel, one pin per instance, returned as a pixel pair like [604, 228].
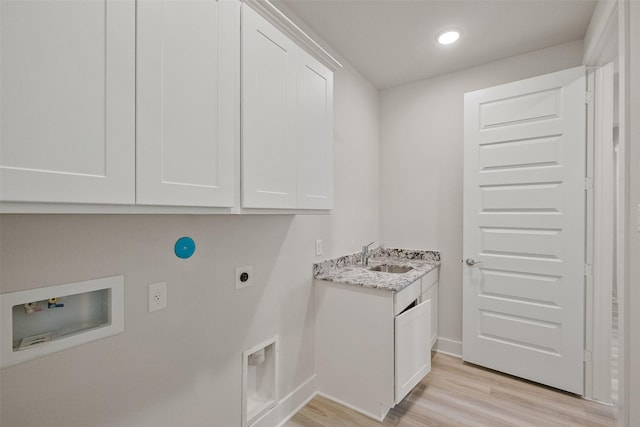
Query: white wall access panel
[67, 72]
[188, 64]
[268, 111]
[314, 133]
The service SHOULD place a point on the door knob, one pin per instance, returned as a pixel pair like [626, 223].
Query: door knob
[471, 262]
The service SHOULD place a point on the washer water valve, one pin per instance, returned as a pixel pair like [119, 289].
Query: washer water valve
[32, 307]
[53, 303]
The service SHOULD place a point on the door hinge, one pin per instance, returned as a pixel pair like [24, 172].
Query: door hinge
[588, 183]
[587, 355]
[588, 97]
[588, 270]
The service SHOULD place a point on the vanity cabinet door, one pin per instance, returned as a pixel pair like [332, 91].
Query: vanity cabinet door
[188, 58]
[412, 348]
[67, 101]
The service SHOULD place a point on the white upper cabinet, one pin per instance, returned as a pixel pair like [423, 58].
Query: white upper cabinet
[137, 107]
[268, 108]
[188, 94]
[287, 121]
[314, 134]
[67, 119]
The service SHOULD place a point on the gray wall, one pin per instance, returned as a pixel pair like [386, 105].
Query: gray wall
[182, 366]
[421, 143]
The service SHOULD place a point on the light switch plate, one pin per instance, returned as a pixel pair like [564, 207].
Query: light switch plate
[318, 247]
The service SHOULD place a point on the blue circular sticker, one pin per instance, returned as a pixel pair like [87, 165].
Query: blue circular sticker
[185, 247]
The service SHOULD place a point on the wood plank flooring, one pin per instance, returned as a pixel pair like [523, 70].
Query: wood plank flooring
[461, 394]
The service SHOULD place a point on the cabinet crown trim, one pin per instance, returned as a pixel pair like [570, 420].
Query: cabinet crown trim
[280, 20]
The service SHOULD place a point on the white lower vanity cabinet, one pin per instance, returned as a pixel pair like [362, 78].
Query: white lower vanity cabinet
[372, 345]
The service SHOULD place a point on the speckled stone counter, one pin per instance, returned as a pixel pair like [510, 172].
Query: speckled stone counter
[349, 270]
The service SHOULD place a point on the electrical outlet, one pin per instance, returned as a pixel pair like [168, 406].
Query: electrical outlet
[244, 276]
[318, 247]
[157, 296]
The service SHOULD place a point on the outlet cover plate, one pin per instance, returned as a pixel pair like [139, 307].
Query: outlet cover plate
[157, 296]
[248, 279]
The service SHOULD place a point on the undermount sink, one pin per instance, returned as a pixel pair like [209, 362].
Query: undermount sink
[387, 268]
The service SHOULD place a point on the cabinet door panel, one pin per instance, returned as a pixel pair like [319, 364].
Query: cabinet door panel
[413, 348]
[268, 111]
[187, 54]
[315, 134]
[67, 120]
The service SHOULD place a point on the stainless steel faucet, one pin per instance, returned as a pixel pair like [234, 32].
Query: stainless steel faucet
[366, 253]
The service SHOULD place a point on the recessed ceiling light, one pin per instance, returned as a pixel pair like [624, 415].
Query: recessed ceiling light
[448, 36]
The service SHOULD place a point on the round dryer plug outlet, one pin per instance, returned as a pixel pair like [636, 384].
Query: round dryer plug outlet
[244, 276]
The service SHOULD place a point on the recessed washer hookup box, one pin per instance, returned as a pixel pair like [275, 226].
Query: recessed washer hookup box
[41, 321]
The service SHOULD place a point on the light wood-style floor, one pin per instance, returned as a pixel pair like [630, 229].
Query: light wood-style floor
[461, 394]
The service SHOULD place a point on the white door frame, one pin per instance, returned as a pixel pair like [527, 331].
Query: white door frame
[600, 49]
[600, 234]
[628, 243]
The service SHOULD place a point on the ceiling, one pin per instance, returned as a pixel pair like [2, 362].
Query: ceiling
[392, 42]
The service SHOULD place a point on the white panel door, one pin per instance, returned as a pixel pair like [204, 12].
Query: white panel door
[67, 101]
[268, 115]
[314, 137]
[524, 224]
[188, 56]
[413, 348]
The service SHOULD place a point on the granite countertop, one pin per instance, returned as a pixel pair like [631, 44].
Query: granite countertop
[349, 270]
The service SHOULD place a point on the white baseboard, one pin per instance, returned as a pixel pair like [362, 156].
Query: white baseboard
[292, 403]
[340, 402]
[289, 405]
[450, 347]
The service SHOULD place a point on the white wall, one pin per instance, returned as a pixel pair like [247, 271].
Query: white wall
[602, 26]
[421, 142]
[355, 219]
[182, 366]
